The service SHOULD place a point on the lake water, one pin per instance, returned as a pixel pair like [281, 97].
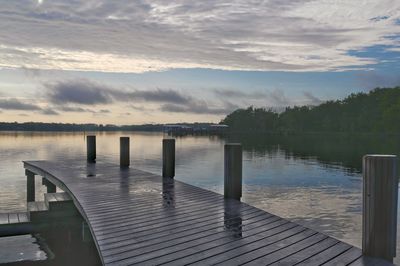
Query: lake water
[314, 180]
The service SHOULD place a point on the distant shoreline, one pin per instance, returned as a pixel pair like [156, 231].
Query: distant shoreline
[71, 127]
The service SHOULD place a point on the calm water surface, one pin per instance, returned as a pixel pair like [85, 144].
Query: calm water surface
[314, 180]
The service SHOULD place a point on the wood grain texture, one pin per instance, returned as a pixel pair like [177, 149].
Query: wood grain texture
[139, 218]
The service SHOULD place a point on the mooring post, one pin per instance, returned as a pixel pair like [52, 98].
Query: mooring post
[91, 148]
[168, 157]
[380, 206]
[30, 186]
[124, 158]
[233, 171]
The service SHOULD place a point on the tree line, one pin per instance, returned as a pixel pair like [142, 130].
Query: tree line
[375, 111]
[38, 126]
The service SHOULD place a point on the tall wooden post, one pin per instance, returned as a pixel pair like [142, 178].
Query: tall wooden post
[30, 186]
[233, 171]
[168, 157]
[124, 156]
[91, 148]
[380, 206]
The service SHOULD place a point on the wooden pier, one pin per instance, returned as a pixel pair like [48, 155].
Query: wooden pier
[139, 218]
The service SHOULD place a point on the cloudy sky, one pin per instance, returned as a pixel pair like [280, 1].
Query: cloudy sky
[132, 62]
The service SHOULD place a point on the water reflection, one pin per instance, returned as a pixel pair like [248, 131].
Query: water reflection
[232, 218]
[343, 151]
[61, 242]
[168, 192]
[314, 180]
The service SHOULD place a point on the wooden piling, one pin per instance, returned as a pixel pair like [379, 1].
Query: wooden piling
[380, 206]
[233, 171]
[124, 156]
[168, 158]
[30, 186]
[91, 148]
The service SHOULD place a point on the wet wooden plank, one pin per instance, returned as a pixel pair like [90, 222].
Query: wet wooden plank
[272, 233]
[139, 218]
[41, 206]
[218, 235]
[327, 254]
[50, 197]
[32, 206]
[297, 252]
[3, 218]
[179, 237]
[345, 258]
[368, 261]
[147, 235]
[13, 218]
[23, 217]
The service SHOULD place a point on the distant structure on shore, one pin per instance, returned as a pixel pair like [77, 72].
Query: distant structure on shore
[196, 129]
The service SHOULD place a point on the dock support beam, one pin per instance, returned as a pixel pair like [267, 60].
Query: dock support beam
[233, 171]
[51, 188]
[91, 148]
[30, 186]
[124, 157]
[168, 157]
[380, 206]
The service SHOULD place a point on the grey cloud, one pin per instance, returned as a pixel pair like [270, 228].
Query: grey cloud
[158, 95]
[77, 109]
[31, 72]
[229, 93]
[78, 92]
[274, 98]
[73, 109]
[312, 99]
[372, 79]
[86, 92]
[15, 104]
[198, 107]
[279, 98]
[49, 111]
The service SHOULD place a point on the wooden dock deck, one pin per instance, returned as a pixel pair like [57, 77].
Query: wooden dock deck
[138, 218]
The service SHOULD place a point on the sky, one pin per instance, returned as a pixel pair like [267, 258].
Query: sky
[134, 62]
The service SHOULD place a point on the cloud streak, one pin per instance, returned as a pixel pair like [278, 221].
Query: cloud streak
[86, 92]
[15, 104]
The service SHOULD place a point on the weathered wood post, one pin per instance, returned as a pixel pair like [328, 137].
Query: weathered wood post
[380, 206]
[91, 148]
[233, 171]
[124, 158]
[168, 157]
[30, 186]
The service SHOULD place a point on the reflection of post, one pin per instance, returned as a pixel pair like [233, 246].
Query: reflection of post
[232, 217]
[380, 206]
[168, 192]
[91, 148]
[124, 159]
[233, 171]
[168, 157]
[30, 186]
